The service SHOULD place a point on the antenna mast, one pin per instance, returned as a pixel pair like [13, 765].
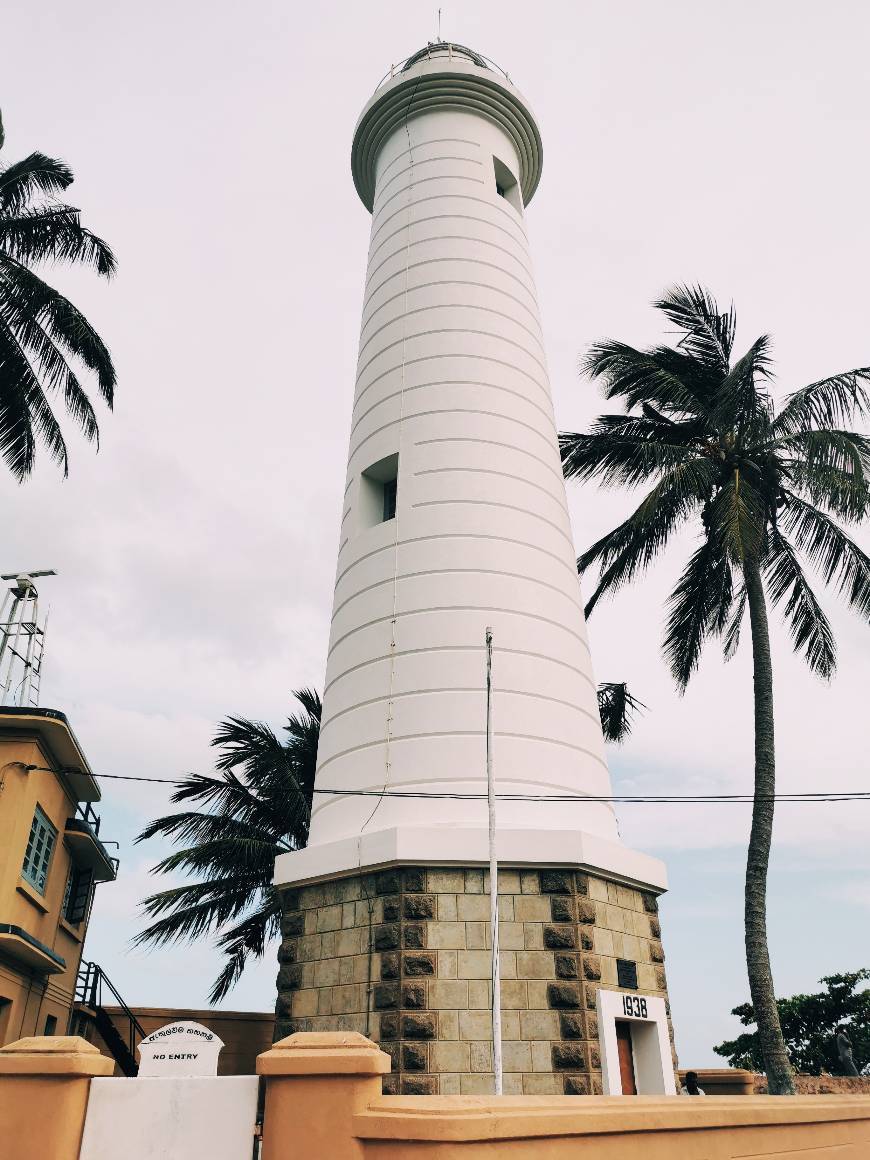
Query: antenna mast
[22, 640]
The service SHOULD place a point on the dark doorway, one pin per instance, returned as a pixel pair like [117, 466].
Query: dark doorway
[626, 1059]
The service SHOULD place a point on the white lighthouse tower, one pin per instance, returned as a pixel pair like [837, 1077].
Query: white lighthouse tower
[455, 519]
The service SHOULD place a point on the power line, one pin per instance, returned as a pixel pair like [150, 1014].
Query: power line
[648, 799]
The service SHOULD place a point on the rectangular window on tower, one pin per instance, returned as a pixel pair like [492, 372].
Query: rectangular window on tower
[506, 185]
[379, 491]
[626, 974]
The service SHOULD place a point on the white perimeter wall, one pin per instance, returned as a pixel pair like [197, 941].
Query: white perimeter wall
[452, 377]
[176, 1118]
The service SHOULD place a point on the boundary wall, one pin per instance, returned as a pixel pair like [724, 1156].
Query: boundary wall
[323, 1099]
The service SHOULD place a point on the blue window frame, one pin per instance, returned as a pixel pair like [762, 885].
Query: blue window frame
[37, 856]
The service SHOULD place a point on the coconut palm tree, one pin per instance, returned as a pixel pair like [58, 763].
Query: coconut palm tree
[257, 808]
[45, 341]
[765, 489]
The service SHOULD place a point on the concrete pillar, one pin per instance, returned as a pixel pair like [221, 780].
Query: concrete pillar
[315, 1084]
[44, 1084]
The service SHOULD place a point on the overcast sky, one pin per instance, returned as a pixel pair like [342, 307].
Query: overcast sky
[683, 141]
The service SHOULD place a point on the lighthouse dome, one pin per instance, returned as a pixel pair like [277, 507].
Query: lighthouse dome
[444, 76]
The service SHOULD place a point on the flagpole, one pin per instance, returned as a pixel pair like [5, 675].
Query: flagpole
[493, 879]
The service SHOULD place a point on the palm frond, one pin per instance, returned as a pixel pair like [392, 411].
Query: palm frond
[697, 608]
[182, 919]
[249, 744]
[839, 560]
[731, 637]
[311, 706]
[27, 417]
[55, 234]
[251, 858]
[737, 517]
[617, 708]
[830, 402]
[204, 829]
[35, 175]
[742, 404]
[27, 301]
[635, 543]
[810, 630]
[240, 942]
[660, 377]
[40, 330]
[258, 806]
[625, 450]
[831, 467]
[709, 333]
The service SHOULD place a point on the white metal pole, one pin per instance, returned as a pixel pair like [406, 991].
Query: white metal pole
[493, 879]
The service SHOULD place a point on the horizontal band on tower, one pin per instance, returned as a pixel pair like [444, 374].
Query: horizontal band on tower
[403, 542]
[427, 572]
[454, 648]
[448, 690]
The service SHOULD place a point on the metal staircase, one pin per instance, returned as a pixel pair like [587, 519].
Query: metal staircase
[89, 999]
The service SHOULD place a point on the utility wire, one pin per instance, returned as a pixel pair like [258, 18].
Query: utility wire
[650, 799]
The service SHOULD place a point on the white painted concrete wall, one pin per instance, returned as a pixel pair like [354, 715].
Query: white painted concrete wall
[452, 376]
[176, 1118]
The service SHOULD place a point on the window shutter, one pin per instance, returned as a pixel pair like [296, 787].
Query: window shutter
[79, 896]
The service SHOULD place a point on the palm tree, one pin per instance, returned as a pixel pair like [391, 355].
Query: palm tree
[258, 807]
[767, 487]
[251, 817]
[44, 339]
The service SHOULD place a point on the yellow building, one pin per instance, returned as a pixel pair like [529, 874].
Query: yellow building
[51, 858]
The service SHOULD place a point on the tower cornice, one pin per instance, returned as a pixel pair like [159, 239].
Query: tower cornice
[449, 83]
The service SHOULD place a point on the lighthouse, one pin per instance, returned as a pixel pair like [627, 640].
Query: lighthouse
[455, 520]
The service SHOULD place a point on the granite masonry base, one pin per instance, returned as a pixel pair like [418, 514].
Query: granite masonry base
[402, 956]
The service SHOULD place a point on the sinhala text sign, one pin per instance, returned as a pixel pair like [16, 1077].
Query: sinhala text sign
[182, 1048]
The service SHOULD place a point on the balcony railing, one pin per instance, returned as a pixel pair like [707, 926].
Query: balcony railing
[82, 832]
[437, 49]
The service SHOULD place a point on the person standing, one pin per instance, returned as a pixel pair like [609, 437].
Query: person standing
[690, 1085]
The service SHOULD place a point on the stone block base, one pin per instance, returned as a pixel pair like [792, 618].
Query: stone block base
[402, 956]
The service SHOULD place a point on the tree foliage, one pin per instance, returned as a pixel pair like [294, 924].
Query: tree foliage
[256, 807]
[701, 433]
[617, 709]
[767, 493]
[46, 344]
[809, 1025]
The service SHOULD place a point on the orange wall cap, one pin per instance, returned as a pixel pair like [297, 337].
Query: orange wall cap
[53, 1055]
[324, 1053]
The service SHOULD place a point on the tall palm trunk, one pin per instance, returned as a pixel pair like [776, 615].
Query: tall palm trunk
[780, 1077]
